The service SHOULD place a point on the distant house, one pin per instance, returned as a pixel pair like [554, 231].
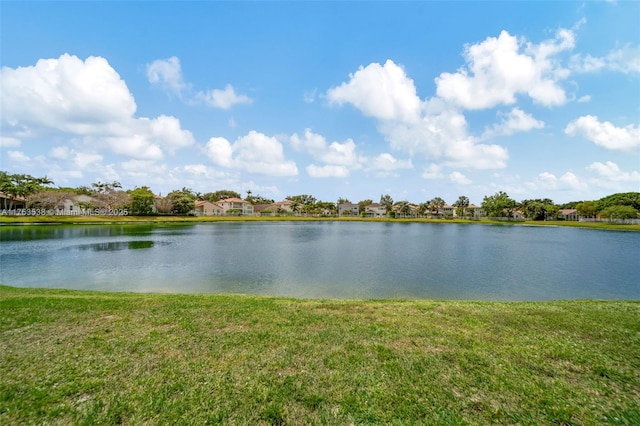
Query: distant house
[264, 209]
[207, 208]
[475, 211]
[7, 201]
[76, 203]
[517, 214]
[375, 210]
[285, 206]
[348, 209]
[280, 207]
[235, 206]
[568, 214]
[448, 211]
[399, 207]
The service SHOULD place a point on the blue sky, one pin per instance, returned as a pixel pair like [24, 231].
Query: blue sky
[335, 99]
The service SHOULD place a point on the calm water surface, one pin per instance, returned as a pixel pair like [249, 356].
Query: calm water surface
[327, 259]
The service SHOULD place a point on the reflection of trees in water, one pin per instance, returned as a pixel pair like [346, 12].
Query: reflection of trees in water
[121, 245]
[44, 232]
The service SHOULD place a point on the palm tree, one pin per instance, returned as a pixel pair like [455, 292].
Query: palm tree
[295, 207]
[102, 187]
[404, 208]
[21, 186]
[437, 203]
[45, 181]
[387, 202]
[462, 203]
[422, 208]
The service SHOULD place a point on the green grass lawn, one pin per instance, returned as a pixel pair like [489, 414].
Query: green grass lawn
[161, 219]
[69, 357]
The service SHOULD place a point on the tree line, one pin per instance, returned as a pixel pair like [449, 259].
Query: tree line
[37, 192]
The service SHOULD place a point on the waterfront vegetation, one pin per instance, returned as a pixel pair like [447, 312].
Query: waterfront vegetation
[78, 357]
[33, 195]
[162, 219]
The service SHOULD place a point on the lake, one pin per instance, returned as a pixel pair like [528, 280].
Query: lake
[329, 259]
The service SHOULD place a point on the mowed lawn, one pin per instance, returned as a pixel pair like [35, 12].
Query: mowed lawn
[69, 357]
[79, 220]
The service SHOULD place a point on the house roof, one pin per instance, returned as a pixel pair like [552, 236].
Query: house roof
[268, 208]
[258, 207]
[233, 200]
[272, 206]
[374, 206]
[205, 202]
[19, 197]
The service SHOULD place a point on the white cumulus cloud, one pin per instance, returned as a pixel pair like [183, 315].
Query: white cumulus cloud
[86, 101]
[220, 152]
[223, 99]
[568, 181]
[327, 171]
[625, 59]
[85, 160]
[605, 133]
[433, 129]
[65, 94]
[611, 172]
[500, 68]
[167, 132]
[380, 91]
[134, 145]
[340, 158]
[512, 122]
[310, 96]
[81, 160]
[201, 177]
[199, 170]
[144, 172]
[334, 153]
[167, 73]
[61, 152]
[343, 154]
[254, 153]
[8, 142]
[459, 178]
[18, 156]
[433, 171]
[387, 163]
[311, 142]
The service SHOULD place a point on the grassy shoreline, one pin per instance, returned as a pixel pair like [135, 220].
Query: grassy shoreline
[31, 220]
[79, 357]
